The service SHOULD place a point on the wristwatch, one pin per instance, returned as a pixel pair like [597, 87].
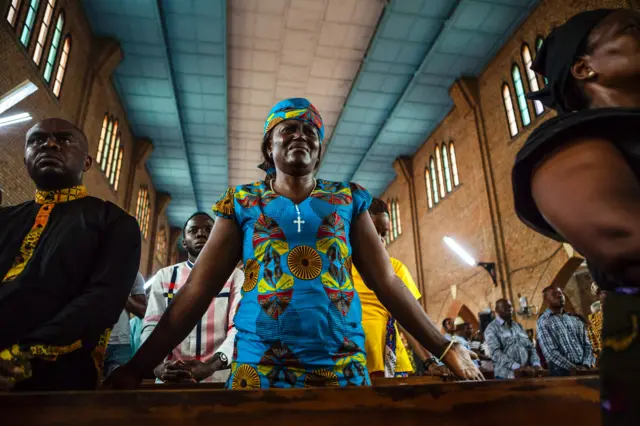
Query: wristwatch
[222, 357]
[428, 362]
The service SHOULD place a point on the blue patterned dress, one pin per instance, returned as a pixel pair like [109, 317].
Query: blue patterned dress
[299, 321]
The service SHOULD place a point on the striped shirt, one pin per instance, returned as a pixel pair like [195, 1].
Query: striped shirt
[215, 332]
[564, 341]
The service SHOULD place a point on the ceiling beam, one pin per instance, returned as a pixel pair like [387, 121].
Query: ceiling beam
[165, 39]
[406, 90]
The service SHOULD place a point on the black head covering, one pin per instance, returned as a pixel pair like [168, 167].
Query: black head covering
[558, 54]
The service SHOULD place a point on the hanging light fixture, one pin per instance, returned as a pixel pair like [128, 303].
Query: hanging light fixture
[490, 267]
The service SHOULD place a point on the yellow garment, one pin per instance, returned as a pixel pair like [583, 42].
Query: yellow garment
[374, 321]
[48, 200]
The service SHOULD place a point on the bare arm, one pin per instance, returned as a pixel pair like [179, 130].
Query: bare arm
[372, 261]
[589, 194]
[137, 305]
[210, 273]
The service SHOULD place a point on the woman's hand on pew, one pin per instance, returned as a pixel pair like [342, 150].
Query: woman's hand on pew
[458, 359]
[441, 371]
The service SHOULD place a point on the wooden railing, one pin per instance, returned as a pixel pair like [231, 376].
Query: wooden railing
[399, 402]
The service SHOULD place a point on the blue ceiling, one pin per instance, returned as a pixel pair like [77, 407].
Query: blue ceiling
[402, 90]
[172, 83]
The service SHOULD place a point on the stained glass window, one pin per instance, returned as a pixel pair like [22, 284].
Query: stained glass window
[446, 168]
[12, 14]
[508, 108]
[427, 181]
[434, 180]
[62, 66]
[29, 22]
[520, 96]
[454, 164]
[531, 76]
[53, 49]
[44, 30]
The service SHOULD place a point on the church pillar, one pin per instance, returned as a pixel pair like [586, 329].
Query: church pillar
[404, 167]
[106, 55]
[466, 96]
[162, 201]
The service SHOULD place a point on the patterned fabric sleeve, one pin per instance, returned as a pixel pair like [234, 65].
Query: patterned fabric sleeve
[225, 206]
[361, 199]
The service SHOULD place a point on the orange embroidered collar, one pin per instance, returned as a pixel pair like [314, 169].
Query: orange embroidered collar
[61, 195]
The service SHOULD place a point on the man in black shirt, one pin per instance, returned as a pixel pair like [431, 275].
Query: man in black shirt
[67, 264]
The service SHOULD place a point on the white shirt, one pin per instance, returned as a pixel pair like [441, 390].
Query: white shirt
[214, 333]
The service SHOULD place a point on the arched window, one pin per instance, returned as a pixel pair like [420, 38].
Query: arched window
[103, 134]
[161, 246]
[53, 49]
[398, 221]
[62, 66]
[454, 164]
[102, 154]
[394, 220]
[508, 109]
[118, 166]
[113, 159]
[520, 95]
[29, 22]
[539, 41]
[447, 170]
[440, 176]
[531, 76]
[44, 30]
[115, 143]
[434, 180]
[143, 210]
[427, 181]
[12, 14]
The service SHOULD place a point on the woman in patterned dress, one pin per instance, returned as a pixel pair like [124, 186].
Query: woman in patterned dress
[299, 321]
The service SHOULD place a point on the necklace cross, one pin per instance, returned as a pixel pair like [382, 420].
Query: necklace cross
[298, 221]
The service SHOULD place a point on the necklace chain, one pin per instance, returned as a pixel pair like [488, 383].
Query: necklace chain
[315, 183]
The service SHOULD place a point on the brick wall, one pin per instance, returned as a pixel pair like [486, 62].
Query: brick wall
[479, 213]
[87, 94]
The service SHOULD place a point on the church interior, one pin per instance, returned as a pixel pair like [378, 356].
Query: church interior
[423, 104]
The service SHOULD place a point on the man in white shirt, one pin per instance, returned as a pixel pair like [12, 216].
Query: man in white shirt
[204, 356]
[119, 350]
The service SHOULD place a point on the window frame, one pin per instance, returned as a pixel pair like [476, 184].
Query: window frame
[17, 8]
[446, 168]
[454, 165]
[62, 67]
[539, 41]
[538, 108]
[434, 181]
[36, 12]
[43, 32]
[525, 104]
[507, 89]
[118, 168]
[427, 180]
[54, 47]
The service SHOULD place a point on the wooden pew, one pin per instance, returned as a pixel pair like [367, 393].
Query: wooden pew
[527, 402]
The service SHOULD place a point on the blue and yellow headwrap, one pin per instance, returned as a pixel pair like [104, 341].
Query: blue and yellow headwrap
[292, 109]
